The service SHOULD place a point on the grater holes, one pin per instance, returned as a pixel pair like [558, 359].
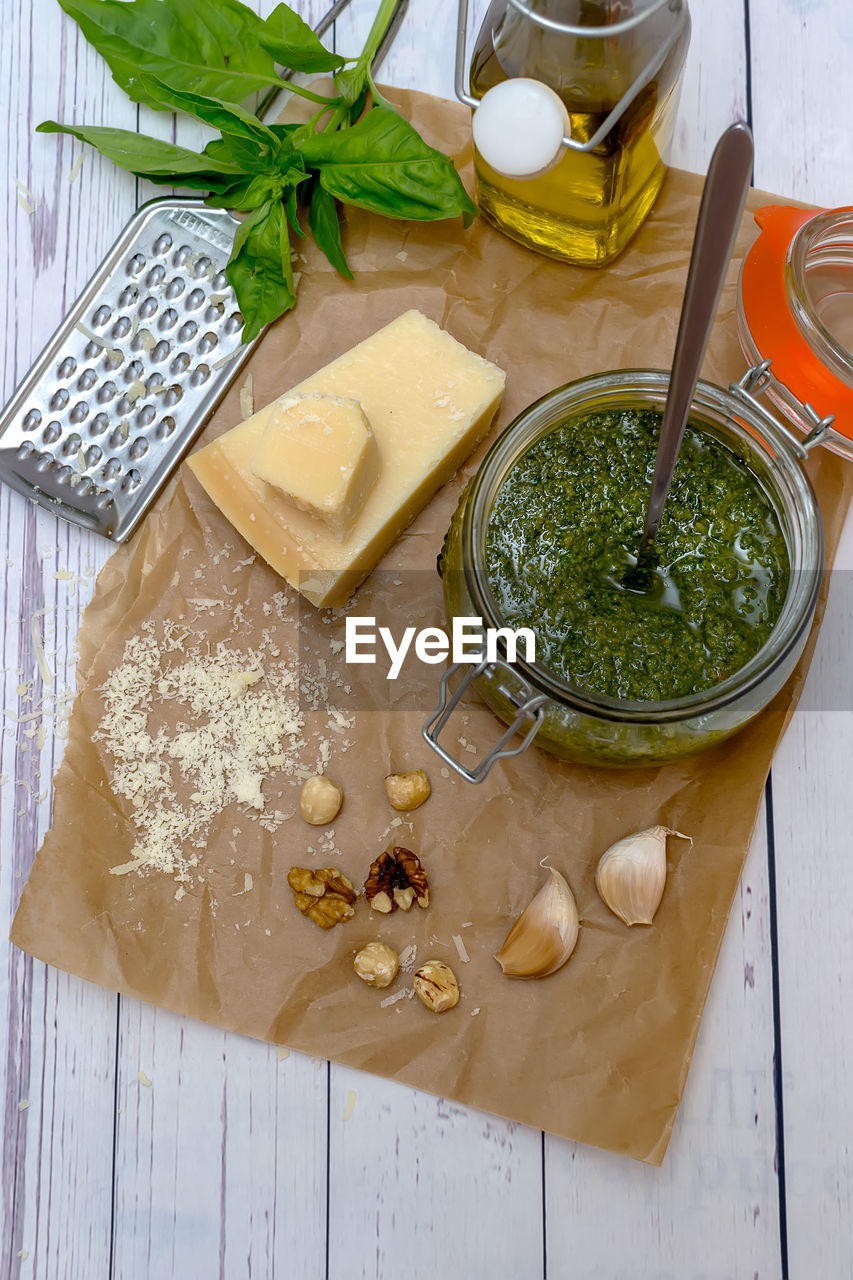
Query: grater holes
[63, 474]
[93, 455]
[129, 295]
[199, 376]
[195, 299]
[106, 392]
[59, 400]
[168, 319]
[92, 350]
[162, 350]
[125, 404]
[148, 307]
[163, 244]
[87, 380]
[220, 281]
[118, 437]
[156, 276]
[83, 485]
[24, 450]
[207, 343]
[146, 416]
[113, 358]
[45, 462]
[203, 267]
[165, 428]
[180, 363]
[130, 481]
[234, 322]
[67, 367]
[111, 468]
[139, 448]
[104, 502]
[71, 445]
[79, 413]
[102, 315]
[121, 328]
[51, 433]
[175, 288]
[172, 396]
[136, 264]
[134, 371]
[214, 312]
[32, 420]
[187, 331]
[99, 424]
[180, 256]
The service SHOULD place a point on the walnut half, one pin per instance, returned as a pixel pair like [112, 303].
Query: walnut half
[396, 879]
[324, 895]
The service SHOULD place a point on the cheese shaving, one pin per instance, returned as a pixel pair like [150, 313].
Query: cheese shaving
[247, 397]
[350, 1104]
[190, 738]
[460, 949]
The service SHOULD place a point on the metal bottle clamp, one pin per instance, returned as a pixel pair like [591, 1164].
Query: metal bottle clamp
[821, 431]
[617, 28]
[530, 707]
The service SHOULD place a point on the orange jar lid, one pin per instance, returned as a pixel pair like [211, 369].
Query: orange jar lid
[796, 304]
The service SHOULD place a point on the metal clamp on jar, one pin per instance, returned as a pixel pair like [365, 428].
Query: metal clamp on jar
[574, 112]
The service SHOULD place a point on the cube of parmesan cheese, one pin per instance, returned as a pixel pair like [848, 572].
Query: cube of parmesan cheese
[429, 401]
[319, 452]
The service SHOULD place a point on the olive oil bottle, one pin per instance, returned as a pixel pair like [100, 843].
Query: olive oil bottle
[587, 207]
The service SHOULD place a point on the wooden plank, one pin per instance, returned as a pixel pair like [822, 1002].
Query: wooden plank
[802, 83]
[814, 888]
[421, 1187]
[606, 1216]
[802, 74]
[60, 1032]
[220, 1153]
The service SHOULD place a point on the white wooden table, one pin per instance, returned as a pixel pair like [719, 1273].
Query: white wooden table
[139, 1145]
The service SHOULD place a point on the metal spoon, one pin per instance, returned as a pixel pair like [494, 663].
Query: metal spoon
[723, 198]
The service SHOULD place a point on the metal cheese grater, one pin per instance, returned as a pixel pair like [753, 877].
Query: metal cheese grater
[127, 381]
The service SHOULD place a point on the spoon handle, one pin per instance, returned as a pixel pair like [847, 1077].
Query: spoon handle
[719, 217]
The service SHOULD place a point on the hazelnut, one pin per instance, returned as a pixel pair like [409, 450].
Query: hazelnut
[407, 791]
[436, 986]
[377, 964]
[320, 801]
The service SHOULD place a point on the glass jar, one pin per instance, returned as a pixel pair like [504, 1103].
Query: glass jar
[795, 317]
[615, 66]
[594, 729]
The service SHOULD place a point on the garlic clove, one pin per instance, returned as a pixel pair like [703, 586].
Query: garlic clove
[544, 935]
[631, 874]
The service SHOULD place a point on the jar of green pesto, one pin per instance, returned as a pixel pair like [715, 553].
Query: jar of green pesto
[542, 538]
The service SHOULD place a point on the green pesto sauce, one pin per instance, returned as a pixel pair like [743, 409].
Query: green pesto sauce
[565, 530]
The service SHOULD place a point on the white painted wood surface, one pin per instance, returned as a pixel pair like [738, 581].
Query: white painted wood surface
[235, 1162]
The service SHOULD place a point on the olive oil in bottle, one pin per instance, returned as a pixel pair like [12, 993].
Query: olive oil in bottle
[587, 207]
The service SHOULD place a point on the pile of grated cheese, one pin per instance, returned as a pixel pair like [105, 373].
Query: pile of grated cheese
[238, 721]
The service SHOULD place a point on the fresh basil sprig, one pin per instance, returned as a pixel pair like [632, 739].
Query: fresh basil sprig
[205, 58]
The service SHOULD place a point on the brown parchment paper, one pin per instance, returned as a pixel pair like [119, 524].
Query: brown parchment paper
[597, 1052]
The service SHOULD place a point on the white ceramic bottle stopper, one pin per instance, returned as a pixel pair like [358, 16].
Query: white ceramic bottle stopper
[519, 126]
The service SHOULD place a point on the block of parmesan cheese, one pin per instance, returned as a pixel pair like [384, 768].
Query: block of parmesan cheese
[429, 401]
[319, 452]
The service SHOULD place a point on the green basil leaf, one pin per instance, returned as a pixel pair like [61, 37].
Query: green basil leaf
[326, 228]
[292, 208]
[227, 117]
[249, 193]
[259, 269]
[292, 43]
[198, 45]
[381, 163]
[240, 152]
[151, 157]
